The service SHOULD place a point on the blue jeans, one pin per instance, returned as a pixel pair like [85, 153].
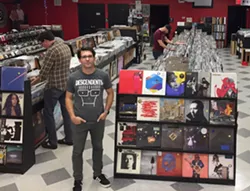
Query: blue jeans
[51, 97]
[157, 54]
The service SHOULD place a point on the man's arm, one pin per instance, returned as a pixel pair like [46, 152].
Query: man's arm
[109, 100]
[69, 104]
[168, 41]
[161, 44]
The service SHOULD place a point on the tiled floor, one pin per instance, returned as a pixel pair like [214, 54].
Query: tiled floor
[53, 170]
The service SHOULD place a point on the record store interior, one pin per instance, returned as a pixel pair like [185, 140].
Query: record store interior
[128, 95]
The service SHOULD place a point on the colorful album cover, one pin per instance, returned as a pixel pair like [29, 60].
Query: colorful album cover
[197, 111]
[175, 83]
[172, 137]
[222, 112]
[195, 165]
[204, 84]
[2, 154]
[154, 83]
[12, 78]
[128, 161]
[221, 140]
[224, 85]
[148, 162]
[14, 154]
[130, 81]
[127, 107]
[148, 108]
[191, 84]
[126, 134]
[148, 135]
[38, 124]
[172, 110]
[12, 104]
[221, 166]
[169, 164]
[196, 139]
[58, 116]
[11, 131]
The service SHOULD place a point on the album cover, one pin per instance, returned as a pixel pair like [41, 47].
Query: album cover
[196, 139]
[130, 81]
[197, 111]
[222, 112]
[148, 108]
[120, 64]
[221, 166]
[148, 162]
[175, 83]
[172, 137]
[58, 116]
[127, 107]
[11, 131]
[126, 134]
[128, 161]
[148, 135]
[195, 165]
[114, 69]
[191, 84]
[12, 78]
[154, 83]
[221, 140]
[14, 154]
[169, 164]
[12, 104]
[38, 124]
[224, 85]
[2, 154]
[172, 110]
[204, 84]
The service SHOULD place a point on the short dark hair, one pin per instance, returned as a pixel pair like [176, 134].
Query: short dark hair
[168, 27]
[85, 49]
[200, 105]
[46, 35]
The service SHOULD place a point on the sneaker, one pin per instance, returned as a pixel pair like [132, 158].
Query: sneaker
[77, 185]
[102, 180]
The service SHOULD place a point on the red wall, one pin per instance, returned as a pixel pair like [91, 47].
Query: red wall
[8, 5]
[67, 15]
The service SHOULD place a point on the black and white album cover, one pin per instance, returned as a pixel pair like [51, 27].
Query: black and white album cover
[14, 154]
[126, 134]
[204, 84]
[197, 111]
[128, 161]
[149, 162]
[172, 137]
[191, 84]
[12, 131]
[2, 154]
[12, 104]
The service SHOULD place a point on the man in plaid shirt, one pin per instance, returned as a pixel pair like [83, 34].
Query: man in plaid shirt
[55, 70]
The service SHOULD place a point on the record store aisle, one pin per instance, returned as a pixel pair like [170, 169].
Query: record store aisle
[53, 170]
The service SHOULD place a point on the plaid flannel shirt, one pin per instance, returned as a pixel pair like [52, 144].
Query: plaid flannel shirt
[56, 65]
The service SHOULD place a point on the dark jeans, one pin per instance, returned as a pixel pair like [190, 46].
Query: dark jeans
[157, 54]
[80, 133]
[51, 96]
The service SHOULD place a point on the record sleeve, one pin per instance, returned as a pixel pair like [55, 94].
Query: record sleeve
[120, 63]
[195, 165]
[191, 84]
[126, 134]
[221, 166]
[154, 83]
[12, 131]
[127, 107]
[148, 162]
[14, 154]
[128, 161]
[204, 84]
[3, 154]
[148, 109]
[12, 104]
[38, 124]
[175, 83]
[172, 137]
[114, 69]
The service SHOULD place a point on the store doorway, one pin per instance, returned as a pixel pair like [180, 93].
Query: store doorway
[236, 20]
[91, 17]
[118, 14]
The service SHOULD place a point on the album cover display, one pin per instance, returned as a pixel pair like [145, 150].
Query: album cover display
[196, 139]
[38, 124]
[11, 131]
[197, 111]
[148, 108]
[204, 84]
[12, 104]
[128, 161]
[169, 164]
[14, 154]
[3, 154]
[221, 140]
[154, 83]
[224, 85]
[221, 166]
[195, 165]
[130, 81]
[172, 110]
[191, 84]
[172, 137]
[148, 135]
[175, 83]
[222, 112]
[148, 162]
[126, 134]
[127, 107]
